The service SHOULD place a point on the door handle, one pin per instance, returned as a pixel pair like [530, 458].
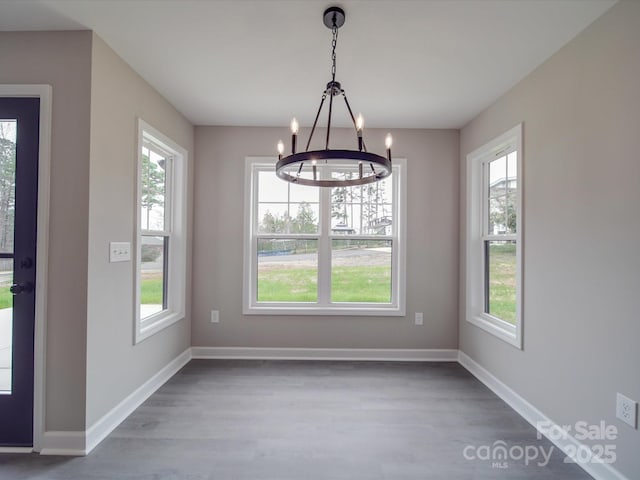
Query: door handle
[26, 263]
[18, 288]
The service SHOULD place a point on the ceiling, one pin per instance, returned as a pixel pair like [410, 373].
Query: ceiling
[402, 63]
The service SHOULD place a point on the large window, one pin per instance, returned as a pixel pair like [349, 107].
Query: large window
[494, 245]
[311, 250]
[161, 252]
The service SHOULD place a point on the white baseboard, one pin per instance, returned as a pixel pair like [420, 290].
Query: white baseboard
[81, 443]
[568, 443]
[103, 427]
[362, 354]
[16, 449]
[63, 443]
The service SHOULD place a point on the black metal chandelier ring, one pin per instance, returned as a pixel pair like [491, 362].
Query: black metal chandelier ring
[380, 167]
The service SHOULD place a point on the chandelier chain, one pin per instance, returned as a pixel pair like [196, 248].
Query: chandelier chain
[333, 51]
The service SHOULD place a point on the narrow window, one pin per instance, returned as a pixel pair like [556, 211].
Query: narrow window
[155, 228]
[494, 242]
[161, 252]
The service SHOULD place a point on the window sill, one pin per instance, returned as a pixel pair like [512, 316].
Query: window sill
[156, 323]
[362, 310]
[499, 328]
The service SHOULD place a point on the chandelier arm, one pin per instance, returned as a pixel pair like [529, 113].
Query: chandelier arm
[329, 122]
[353, 119]
[315, 122]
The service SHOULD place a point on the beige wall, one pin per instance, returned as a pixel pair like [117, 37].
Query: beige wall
[62, 60]
[91, 363]
[432, 256]
[581, 111]
[116, 367]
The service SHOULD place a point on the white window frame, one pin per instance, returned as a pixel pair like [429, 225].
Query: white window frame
[175, 230]
[324, 307]
[477, 233]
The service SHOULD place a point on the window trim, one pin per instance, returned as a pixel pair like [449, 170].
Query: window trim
[177, 250]
[251, 306]
[477, 217]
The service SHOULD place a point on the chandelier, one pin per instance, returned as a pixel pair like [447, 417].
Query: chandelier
[329, 167]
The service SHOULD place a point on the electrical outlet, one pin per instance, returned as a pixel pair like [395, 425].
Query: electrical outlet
[626, 410]
[215, 316]
[419, 318]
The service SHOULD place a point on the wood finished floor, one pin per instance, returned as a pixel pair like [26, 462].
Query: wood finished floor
[292, 420]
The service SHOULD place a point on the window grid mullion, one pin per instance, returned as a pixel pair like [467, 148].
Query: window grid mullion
[293, 236]
[485, 199]
[152, 147]
[156, 233]
[361, 237]
[324, 249]
[500, 238]
[168, 187]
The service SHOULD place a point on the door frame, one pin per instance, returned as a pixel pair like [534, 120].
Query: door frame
[44, 93]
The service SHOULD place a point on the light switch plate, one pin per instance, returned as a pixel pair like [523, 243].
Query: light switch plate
[119, 252]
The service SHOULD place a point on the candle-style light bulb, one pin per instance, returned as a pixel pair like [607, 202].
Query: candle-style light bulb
[359, 127]
[294, 134]
[315, 170]
[388, 141]
[280, 149]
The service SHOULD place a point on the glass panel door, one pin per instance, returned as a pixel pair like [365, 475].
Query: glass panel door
[7, 217]
[19, 137]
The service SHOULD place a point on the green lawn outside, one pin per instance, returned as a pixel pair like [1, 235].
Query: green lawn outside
[368, 284]
[151, 293]
[6, 297]
[502, 281]
[298, 284]
[151, 290]
[371, 284]
[348, 284]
